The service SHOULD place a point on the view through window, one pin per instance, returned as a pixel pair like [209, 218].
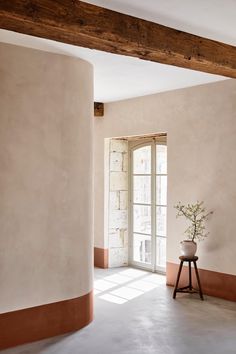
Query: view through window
[148, 207]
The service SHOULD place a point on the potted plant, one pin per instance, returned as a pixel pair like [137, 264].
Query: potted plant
[197, 215]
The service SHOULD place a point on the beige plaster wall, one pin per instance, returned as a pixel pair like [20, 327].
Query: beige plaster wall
[201, 127]
[46, 221]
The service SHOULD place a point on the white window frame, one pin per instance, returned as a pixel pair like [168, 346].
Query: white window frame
[132, 147]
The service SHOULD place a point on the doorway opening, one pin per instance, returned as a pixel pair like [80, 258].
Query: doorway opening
[136, 201]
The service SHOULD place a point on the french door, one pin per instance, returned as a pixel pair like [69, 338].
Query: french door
[148, 204]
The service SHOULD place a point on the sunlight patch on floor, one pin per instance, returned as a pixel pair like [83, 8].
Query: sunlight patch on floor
[133, 273]
[127, 293]
[143, 285]
[118, 278]
[125, 285]
[113, 299]
[103, 285]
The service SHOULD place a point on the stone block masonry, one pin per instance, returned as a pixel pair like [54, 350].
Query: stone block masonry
[118, 203]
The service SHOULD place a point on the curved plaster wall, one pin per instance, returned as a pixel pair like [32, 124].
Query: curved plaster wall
[45, 178]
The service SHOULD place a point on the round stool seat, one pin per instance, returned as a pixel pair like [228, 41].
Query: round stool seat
[188, 259]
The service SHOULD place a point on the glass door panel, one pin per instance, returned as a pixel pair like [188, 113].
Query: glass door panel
[161, 252]
[142, 219]
[161, 159]
[161, 221]
[161, 190]
[142, 189]
[161, 205]
[142, 248]
[142, 160]
[149, 205]
[141, 205]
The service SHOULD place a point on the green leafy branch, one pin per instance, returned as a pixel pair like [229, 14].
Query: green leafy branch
[197, 215]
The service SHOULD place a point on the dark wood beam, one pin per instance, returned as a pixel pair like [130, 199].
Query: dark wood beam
[82, 24]
[98, 109]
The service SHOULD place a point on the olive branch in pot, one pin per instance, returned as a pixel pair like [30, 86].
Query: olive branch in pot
[197, 215]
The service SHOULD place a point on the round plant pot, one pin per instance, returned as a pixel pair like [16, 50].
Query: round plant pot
[188, 248]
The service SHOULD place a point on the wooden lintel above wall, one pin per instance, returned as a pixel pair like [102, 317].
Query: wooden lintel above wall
[82, 24]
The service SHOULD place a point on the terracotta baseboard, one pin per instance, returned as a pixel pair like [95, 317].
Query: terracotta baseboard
[213, 283]
[101, 257]
[40, 322]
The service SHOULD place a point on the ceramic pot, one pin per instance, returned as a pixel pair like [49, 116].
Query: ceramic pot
[188, 248]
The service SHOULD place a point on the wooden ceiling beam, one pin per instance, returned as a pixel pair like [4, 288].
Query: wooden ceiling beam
[98, 109]
[82, 24]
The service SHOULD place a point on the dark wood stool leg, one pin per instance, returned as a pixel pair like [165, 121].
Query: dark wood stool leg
[198, 280]
[190, 276]
[178, 277]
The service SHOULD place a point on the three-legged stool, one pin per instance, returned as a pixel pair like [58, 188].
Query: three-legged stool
[189, 288]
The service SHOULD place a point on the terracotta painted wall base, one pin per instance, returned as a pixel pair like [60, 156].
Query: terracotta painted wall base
[35, 323]
[101, 257]
[213, 283]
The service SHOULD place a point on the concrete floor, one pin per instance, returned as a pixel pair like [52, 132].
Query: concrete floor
[135, 314]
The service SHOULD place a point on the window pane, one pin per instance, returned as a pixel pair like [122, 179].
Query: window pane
[161, 159]
[142, 160]
[161, 190]
[142, 248]
[142, 219]
[161, 252]
[142, 189]
[161, 221]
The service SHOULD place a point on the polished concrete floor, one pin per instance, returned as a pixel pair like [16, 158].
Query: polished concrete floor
[135, 314]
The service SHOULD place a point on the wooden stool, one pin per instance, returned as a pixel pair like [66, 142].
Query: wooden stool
[189, 288]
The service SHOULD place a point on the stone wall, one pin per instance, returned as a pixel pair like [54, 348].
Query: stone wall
[118, 203]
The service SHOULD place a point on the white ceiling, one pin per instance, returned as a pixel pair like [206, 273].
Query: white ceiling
[118, 77]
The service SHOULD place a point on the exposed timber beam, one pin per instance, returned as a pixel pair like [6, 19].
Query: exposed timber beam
[82, 24]
[98, 109]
